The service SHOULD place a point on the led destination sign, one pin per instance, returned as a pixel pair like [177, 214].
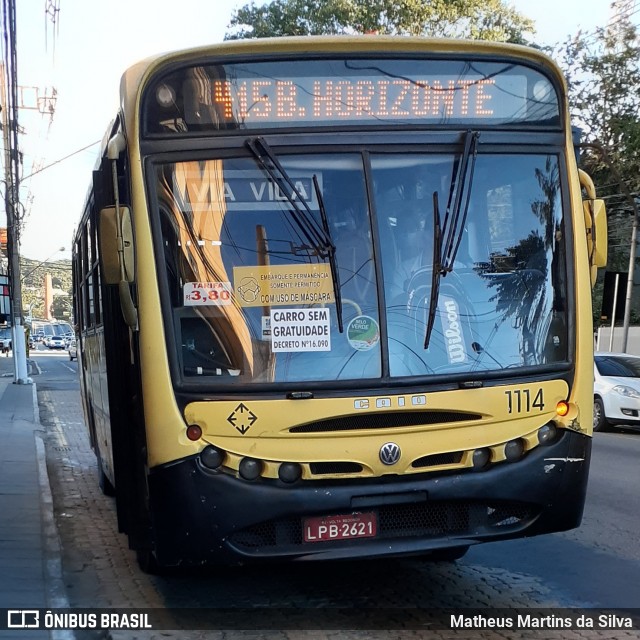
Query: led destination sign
[326, 92]
[326, 99]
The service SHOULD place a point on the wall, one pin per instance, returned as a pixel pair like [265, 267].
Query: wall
[603, 338]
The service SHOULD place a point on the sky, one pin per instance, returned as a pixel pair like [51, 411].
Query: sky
[83, 55]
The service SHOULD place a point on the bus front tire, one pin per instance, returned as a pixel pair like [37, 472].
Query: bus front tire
[147, 562]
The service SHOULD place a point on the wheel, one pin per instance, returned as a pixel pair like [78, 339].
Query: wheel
[103, 481]
[105, 484]
[148, 563]
[600, 422]
[448, 555]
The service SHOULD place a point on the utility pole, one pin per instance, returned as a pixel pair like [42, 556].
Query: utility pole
[13, 249]
[8, 96]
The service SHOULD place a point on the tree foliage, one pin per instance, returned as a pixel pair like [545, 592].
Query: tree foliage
[603, 72]
[478, 19]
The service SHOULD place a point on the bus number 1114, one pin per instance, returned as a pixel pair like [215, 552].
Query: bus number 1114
[519, 400]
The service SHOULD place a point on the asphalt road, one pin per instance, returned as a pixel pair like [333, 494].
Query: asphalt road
[598, 563]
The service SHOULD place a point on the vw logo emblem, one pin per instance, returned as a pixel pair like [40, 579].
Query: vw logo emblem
[389, 453]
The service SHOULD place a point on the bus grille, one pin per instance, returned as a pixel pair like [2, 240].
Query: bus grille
[427, 520]
[438, 459]
[384, 420]
[334, 468]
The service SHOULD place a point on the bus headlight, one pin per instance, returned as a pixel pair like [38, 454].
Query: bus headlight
[211, 457]
[481, 458]
[514, 450]
[547, 433]
[250, 468]
[289, 472]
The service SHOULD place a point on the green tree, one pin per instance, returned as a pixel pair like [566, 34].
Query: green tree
[603, 72]
[478, 19]
[61, 308]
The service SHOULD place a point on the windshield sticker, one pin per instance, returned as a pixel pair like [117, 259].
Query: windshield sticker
[206, 293]
[452, 330]
[363, 333]
[300, 330]
[279, 285]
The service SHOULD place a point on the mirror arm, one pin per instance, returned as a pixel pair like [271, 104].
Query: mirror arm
[116, 145]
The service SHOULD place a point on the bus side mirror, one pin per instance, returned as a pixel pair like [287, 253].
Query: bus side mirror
[600, 236]
[116, 245]
[117, 257]
[595, 221]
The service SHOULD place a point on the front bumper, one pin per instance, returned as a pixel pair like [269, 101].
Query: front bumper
[201, 516]
[619, 409]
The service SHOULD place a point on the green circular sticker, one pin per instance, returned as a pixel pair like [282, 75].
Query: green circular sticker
[363, 333]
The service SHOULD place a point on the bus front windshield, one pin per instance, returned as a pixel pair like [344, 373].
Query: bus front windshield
[250, 267]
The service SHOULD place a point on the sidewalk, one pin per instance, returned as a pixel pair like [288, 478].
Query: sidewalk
[30, 568]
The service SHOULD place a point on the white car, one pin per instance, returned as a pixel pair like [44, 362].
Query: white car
[72, 349]
[616, 392]
[56, 342]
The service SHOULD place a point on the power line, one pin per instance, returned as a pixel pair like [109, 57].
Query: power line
[598, 31]
[55, 162]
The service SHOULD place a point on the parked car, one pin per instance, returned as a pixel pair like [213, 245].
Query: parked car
[616, 393]
[72, 349]
[56, 342]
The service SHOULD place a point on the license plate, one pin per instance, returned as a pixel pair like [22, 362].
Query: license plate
[355, 525]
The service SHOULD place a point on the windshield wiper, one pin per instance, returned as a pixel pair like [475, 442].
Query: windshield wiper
[436, 270]
[447, 238]
[318, 237]
[460, 192]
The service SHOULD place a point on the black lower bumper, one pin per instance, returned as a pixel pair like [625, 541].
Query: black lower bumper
[201, 516]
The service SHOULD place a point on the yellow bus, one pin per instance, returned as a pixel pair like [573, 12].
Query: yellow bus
[333, 300]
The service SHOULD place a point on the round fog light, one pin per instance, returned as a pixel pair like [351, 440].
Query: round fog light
[289, 472]
[211, 457]
[250, 468]
[481, 458]
[547, 433]
[513, 450]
